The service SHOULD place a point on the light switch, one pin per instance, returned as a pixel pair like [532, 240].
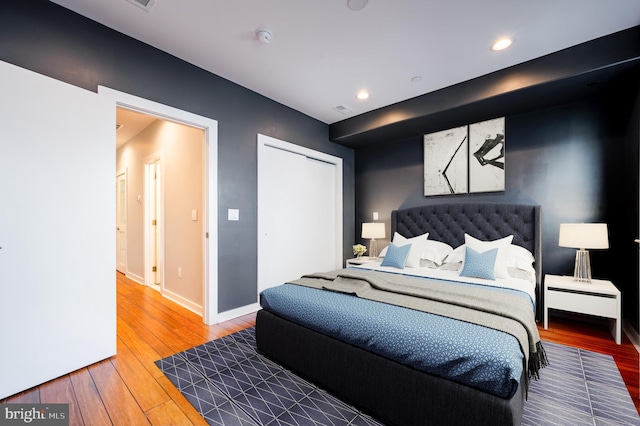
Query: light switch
[234, 214]
[375, 215]
[194, 215]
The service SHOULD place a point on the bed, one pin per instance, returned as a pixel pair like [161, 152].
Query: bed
[399, 389]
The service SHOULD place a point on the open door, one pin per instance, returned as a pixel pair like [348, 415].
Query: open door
[58, 303]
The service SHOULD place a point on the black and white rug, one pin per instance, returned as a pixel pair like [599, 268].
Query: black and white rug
[229, 383]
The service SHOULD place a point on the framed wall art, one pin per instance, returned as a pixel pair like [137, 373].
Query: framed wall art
[465, 159]
[446, 162]
[486, 156]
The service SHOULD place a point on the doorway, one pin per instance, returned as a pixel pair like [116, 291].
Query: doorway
[205, 217]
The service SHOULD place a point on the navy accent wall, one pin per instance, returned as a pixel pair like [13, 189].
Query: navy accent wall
[579, 161]
[46, 38]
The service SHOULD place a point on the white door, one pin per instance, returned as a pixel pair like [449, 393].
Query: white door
[57, 163]
[121, 222]
[299, 212]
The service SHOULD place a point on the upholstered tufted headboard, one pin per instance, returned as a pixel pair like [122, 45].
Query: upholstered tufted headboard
[486, 221]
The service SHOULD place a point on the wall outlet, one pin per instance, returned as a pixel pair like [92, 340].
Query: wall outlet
[375, 215]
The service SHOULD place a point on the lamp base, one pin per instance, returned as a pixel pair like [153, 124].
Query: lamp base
[373, 249]
[582, 269]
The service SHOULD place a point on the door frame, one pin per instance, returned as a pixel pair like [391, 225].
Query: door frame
[210, 184]
[157, 198]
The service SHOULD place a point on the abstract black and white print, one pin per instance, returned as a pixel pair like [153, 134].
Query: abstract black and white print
[445, 162]
[487, 156]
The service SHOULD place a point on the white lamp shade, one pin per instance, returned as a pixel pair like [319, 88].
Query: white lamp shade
[584, 235]
[373, 230]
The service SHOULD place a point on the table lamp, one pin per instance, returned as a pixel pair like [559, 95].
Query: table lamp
[583, 236]
[373, 230]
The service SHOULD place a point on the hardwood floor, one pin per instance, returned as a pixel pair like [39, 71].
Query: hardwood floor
[128, 389]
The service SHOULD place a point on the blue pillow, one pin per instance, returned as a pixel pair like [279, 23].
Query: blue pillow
[479, 265]
[396, 256]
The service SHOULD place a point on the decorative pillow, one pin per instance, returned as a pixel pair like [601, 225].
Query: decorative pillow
[479, 265]
[502, 245]
[418, 246]
[396, 256]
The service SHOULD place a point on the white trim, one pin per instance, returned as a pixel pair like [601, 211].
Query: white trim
[148, 272]
[185, 303]
[631, 334]
[238, 312]
[134, 277]
[210, 196]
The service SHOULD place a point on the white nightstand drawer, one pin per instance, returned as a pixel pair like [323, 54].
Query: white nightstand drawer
[597, 297]
[598, 305]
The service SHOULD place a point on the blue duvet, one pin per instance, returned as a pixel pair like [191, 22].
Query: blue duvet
[476, 356]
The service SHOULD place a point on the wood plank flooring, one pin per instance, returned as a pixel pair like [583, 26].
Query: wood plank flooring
[128, 389]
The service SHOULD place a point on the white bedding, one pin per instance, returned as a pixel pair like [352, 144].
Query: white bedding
[526, 285]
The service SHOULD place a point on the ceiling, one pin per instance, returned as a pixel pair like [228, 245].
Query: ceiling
[129, 123]
[322, 52]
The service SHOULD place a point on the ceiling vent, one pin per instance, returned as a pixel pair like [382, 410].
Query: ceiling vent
[343, 109]
[143, 4]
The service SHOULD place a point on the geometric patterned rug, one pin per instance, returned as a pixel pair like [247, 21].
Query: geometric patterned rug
[579, 387]
[229, 383]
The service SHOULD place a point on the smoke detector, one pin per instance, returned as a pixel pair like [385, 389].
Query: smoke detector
[357, 4]
[264, 35]
[143, 4]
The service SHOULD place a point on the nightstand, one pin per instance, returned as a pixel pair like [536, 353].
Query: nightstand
[356, 261]
[599, 298]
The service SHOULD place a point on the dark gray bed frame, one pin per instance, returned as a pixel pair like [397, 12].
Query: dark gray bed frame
[389, 391]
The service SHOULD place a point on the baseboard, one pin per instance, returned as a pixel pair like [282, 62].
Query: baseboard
[185, 303]
[134, 277]
[238, 312]
[632, 334]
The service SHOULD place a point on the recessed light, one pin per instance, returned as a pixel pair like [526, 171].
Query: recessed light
[501, 44]
[416, 79]
[362, 95]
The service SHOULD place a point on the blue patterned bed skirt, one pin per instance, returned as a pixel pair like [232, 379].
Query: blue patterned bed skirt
[470, 354]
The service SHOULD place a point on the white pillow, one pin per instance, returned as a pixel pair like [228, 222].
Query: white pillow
[519, 257]
[457, 255]
[502, 245]
[436, 251]
[418, 246]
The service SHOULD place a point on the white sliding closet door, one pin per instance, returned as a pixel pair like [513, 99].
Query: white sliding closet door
[299, 212]
[57, 220]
